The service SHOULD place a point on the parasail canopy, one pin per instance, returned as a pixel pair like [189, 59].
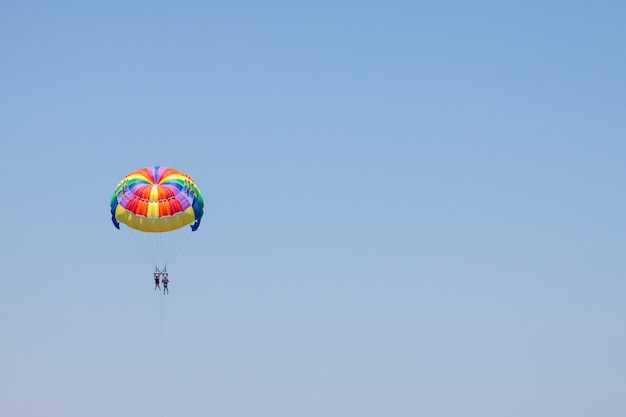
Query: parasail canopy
[157, 199]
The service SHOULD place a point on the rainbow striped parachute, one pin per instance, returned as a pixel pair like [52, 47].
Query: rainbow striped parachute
[155, 204]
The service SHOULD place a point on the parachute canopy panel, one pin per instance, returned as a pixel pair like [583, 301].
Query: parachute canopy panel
[157, 199]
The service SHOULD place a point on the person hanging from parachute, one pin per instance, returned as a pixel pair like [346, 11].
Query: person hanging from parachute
[155, 204]
[165, 280]
[157, 281]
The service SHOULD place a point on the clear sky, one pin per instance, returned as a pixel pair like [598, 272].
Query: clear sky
[412, 208]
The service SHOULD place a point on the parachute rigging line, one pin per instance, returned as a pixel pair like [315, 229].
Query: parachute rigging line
[162, 372]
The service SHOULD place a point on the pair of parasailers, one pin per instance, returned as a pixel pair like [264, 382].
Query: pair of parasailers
[161, 277]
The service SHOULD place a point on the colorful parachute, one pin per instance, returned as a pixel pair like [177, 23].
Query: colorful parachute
[156, 203]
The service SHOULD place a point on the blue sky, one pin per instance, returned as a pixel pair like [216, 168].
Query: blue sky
[411, 209]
